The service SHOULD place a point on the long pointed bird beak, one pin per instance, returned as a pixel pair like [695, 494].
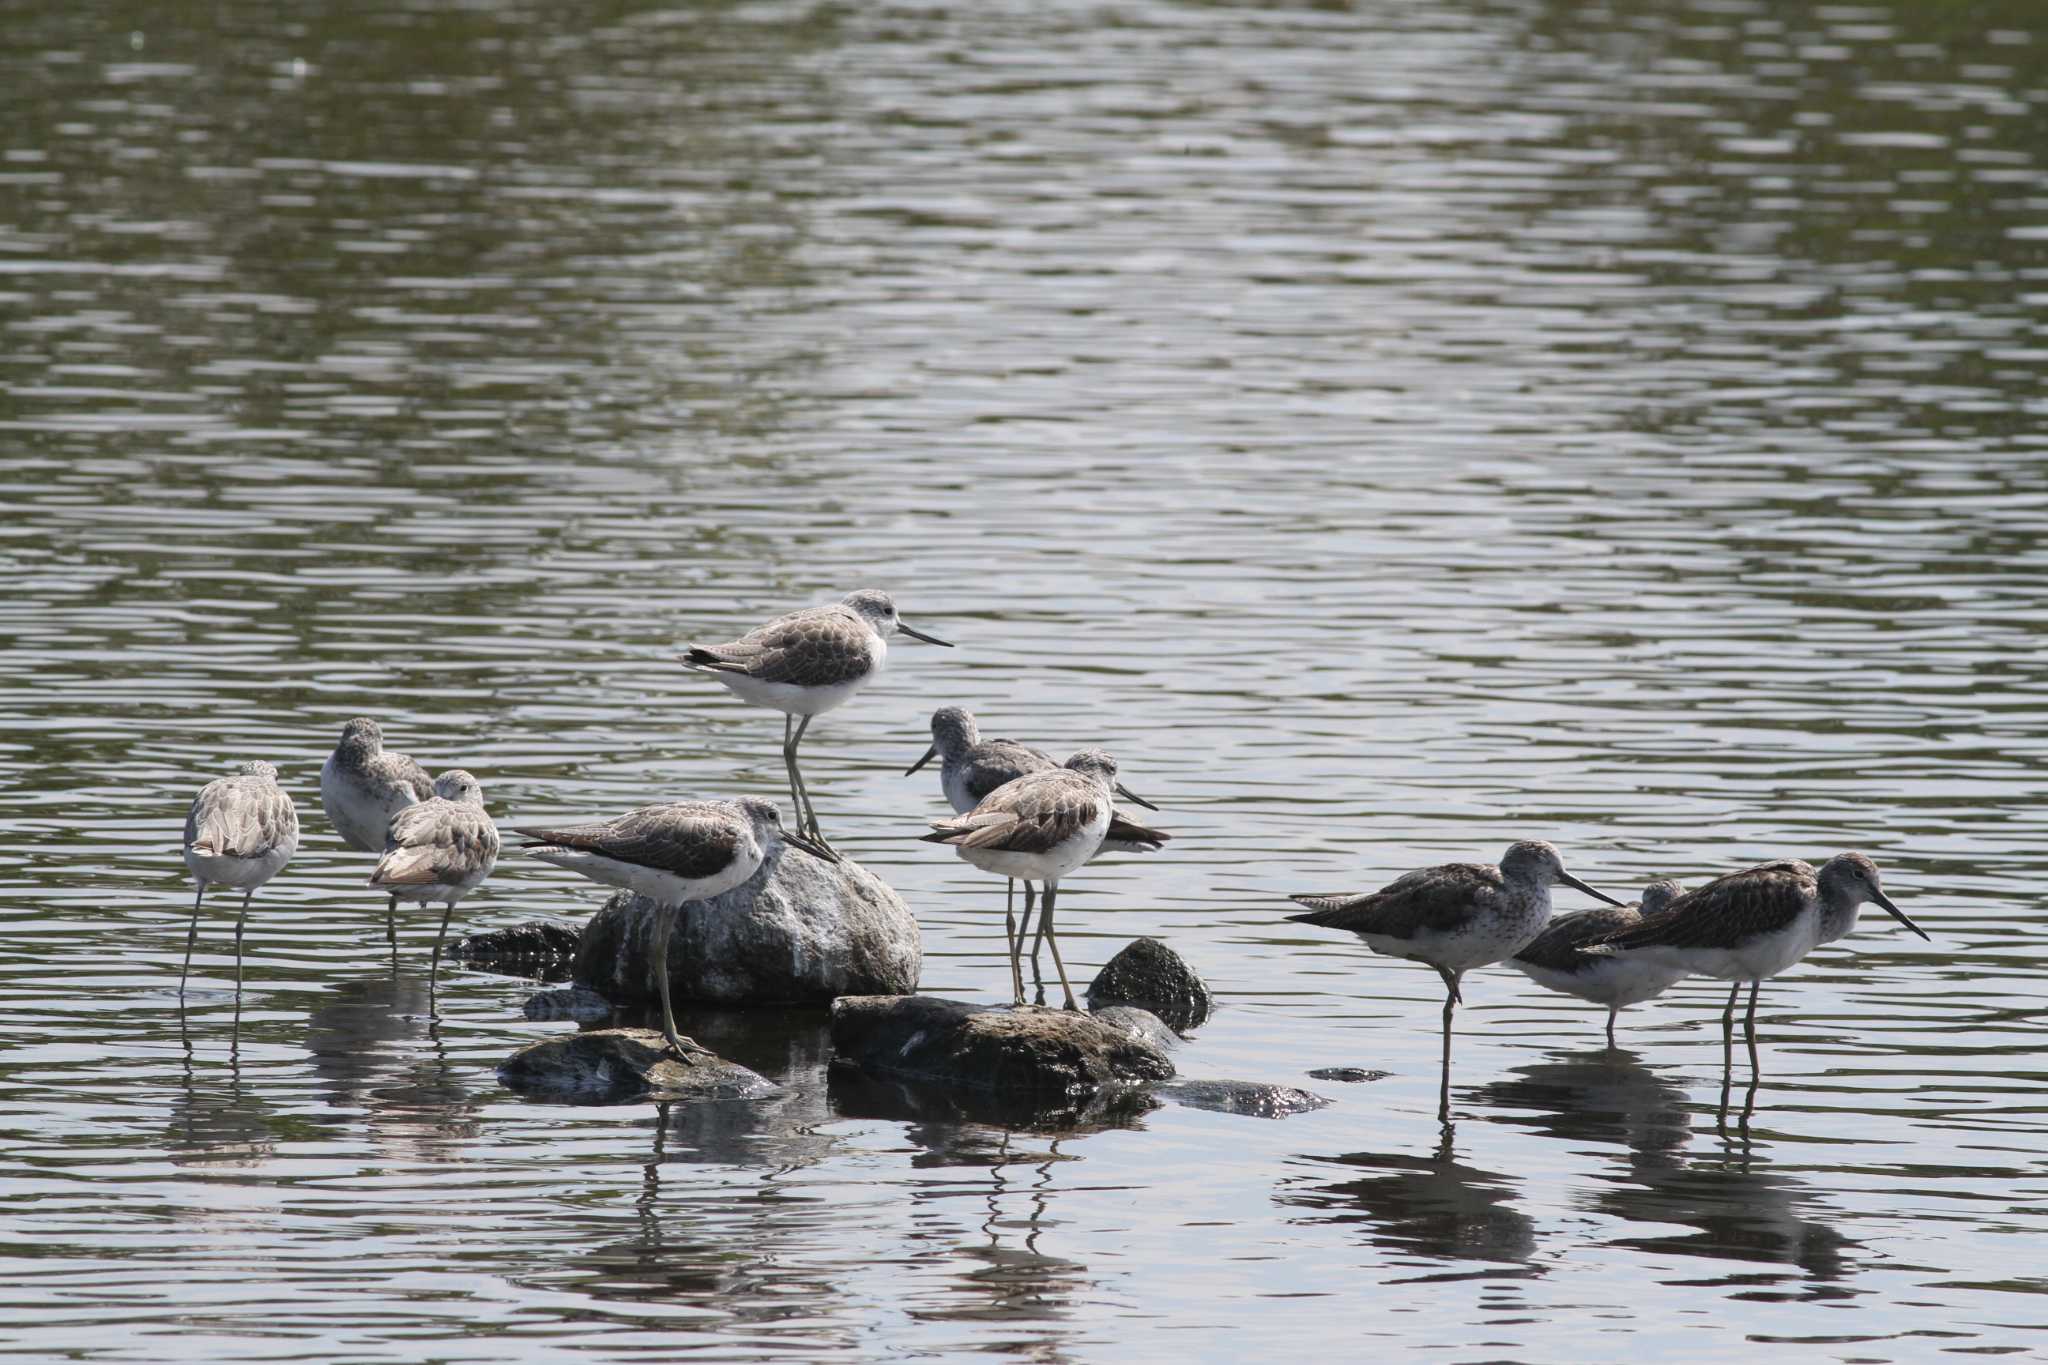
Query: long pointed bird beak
[920, 635]
[809, 845]
[1573, 882]
[929, 755]
[1898, 914]
[1127, 794]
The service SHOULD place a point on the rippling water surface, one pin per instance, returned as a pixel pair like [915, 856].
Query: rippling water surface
[1392, 429]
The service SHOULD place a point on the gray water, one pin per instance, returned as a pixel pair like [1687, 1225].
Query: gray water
[1393, 430]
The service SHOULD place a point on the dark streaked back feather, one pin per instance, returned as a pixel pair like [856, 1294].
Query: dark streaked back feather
[1034, 814]
[1561, 947]
[1728, 911]
[996, 763]
[437, 841]
[817, 647]
[1434, 899]
[688, 839]
[240, 817]
[1124, 830]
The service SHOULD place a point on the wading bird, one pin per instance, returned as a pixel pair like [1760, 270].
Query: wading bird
[362, 785]
[239, 832]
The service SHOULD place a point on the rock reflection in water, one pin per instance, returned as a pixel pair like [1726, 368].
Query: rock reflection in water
[375, 1051]
[1433, 1206]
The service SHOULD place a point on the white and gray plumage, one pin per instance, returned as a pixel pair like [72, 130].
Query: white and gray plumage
[805, 664]
[362, 785]
[1558, 959]
[1038, 828]
[1455, 917]
[239, 832]
[440, 849]
[673, 854]
[1755, 924]
[971, 767]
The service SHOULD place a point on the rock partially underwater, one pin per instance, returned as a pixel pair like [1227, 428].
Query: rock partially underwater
[800, 931]
[1153, 977]
[1026, 1054]
[613, 1066]
[542, 948]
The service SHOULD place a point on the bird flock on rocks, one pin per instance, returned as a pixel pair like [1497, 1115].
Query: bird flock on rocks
[1020, 814]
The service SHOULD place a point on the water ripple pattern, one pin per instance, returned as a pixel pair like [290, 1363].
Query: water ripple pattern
[1390, 429]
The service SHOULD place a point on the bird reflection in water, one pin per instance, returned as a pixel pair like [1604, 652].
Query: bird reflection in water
[212, 1125]
[1431, 1206]
[1741, 1210]
[377, 1050]
[1006, 1273]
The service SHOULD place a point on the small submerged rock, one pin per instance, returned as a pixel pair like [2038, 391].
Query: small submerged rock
[1023, 1053]
[800, 931]
[1254, 1099]
[1354, 1074]
[611, 1066]
[1153, 977]
[579, 1003]
[860, 1094]
[538, 947]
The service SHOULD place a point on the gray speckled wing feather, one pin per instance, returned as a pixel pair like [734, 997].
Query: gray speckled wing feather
[691, 840]
[1031, 815]
[1727, 911]
[1435, 899]
[1563, 945]
[820, 647]
[437, 841]
[240, 817]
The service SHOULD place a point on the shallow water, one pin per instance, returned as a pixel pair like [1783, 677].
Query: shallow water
[1392, 430]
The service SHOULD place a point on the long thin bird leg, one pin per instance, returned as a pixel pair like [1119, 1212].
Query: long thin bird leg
[1443, 1101]
[434, 966]
[1017, 948]
[796, 796]
[1611, 1012]
[664, 921]
[807, 816]
[191, 937]
[1728, 1028]
[240, 920]
[1010, 943]
[1749, 1027]
[1045, 927]
[391, 921]
[1038, 943]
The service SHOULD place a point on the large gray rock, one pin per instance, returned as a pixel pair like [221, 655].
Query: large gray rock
[1153, 977]
[610, 1066]
[1024, 1053]
[800, 931]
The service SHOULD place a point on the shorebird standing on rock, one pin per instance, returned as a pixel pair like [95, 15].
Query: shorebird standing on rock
[362, 785]
[805, 664]
[1559, 959]
[439, 849]
[1755, 924]
[971, 767]
[1455, 917]
[674, 855]
[1038, 828]
[239, 832]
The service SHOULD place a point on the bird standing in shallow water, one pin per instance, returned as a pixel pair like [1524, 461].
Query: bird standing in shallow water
[1038, 828]
[673, 854]
[805, 664]
[1455, 917]
[971, 767]
[1754, 924]
[1558, 960]
[440, 849]
[362, 785]
[239, 832]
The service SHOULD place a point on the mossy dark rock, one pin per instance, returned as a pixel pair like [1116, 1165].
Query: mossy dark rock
[800, 931]
[1153, 977]
[579, 1003]
[611, 1066]
[1143, 1025]
[1030, 1052]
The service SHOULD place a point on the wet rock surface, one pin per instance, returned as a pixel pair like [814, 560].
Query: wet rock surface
[800, 931]
[579, 1003]
[1143, 1025]
[542, 948]
[612, 1066]
[1153, 977]
[1026, 1054]
[855, 1093]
